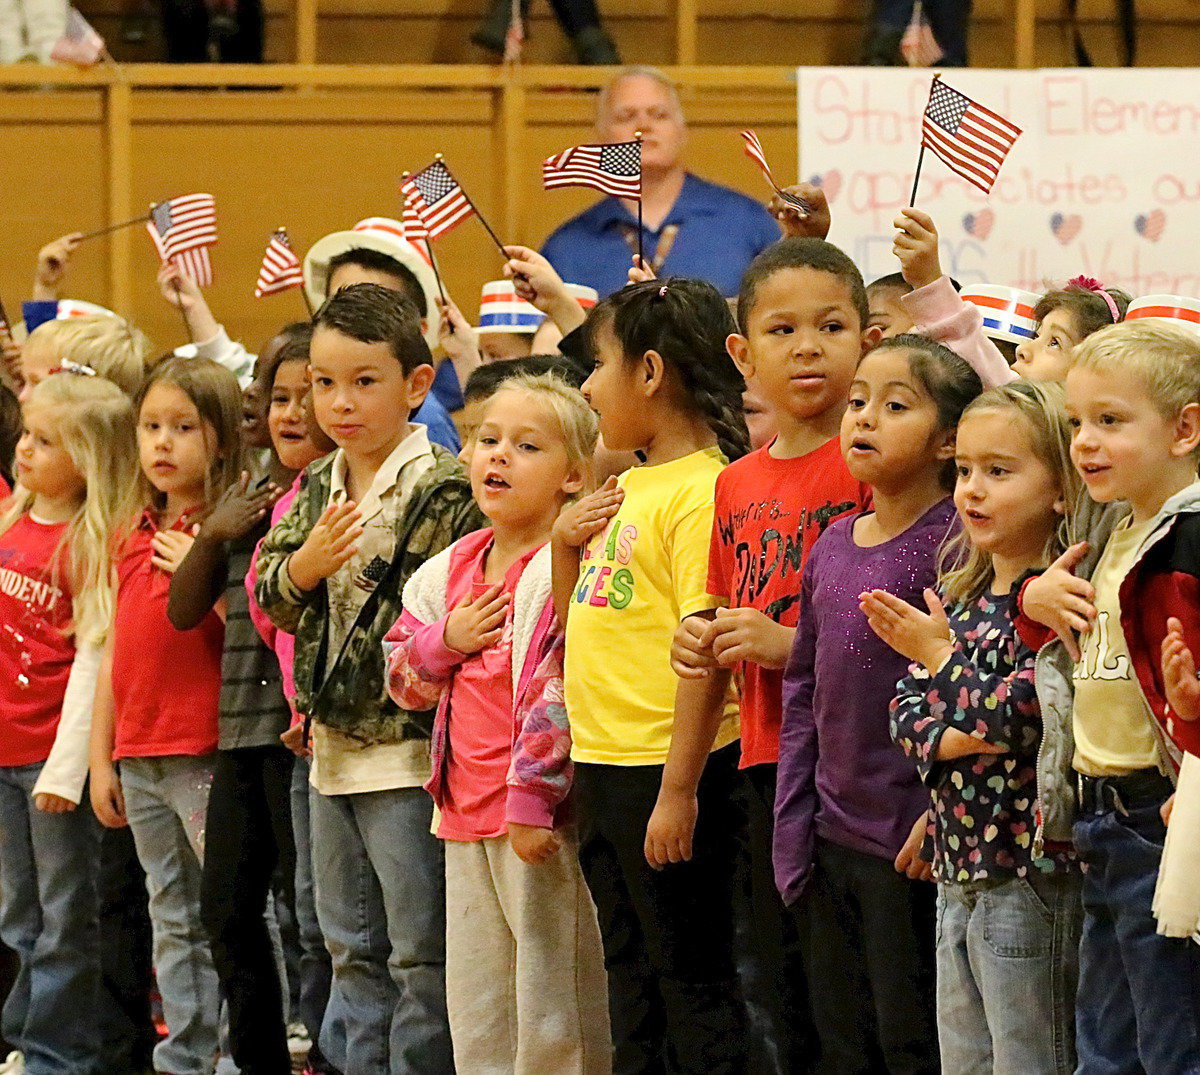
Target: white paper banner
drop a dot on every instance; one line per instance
(1105, 179)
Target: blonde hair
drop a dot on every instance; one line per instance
(218, 399)
(964, 571)
(96, 429)
(577, 421)
(1164, 357)
(108, 345)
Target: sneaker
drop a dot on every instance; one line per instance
(298, 1041)
(594, 47)
(14, 1064)
(491, 31)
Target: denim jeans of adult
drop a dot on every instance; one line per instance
(249, 831)
(49, 915)
(1007, 969)
(674, 997)
(381, 902)
(320, 1010)
(166, 801)
(868, 936)
(1138, 1007)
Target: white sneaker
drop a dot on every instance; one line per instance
(14, 1064)
(298, 1041)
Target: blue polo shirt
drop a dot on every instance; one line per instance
(720, 233)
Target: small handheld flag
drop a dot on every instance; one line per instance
(970, 139)
(281, 269)
(416, 229)
(614, 168)
(754, 151)
(182, 230)
(436, 196)
(80, 44)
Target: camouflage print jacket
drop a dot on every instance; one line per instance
(347, 690)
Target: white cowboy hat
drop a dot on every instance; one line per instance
(385, 236)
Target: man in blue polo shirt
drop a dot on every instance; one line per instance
(690, 227)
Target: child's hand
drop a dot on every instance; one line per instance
(924, 638)
(672, 825)
(640, 272)
(578, 522)
(956, 744)
(10, 353)
(108, 801)
(909, 862)
(691, 658)
(476, 624)
(455, 334)
(52, 804)
(533, 844)
(52, 262)
(169, 548)
(745, 634)
(329, 545)
(1166, 808)
(179, 289)
(1062, 601)
(238, 511)
(293, 739)
(814, 224)
(537, 282)
(1179, 673)
(916, 245)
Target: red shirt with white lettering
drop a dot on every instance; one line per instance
(36, 645)
(166, 683)
(768, 513)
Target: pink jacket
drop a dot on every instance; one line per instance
(421, 666)
(942, 315)
(280, 642)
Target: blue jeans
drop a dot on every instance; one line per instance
(166, 801)
(49, 865)
(1007, 966)
(321, 1009)
(1139, 993)
(380, 884)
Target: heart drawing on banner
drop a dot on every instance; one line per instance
(1150, 225)
(830, 183)
(979, 224)
(1065, 228)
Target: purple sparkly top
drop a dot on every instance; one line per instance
(840, 775)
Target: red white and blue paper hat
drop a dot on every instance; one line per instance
(68, 308)
(502, 310)
(1007, 311)
(1182, 311)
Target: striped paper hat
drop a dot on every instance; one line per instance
(1183, 311)
(501, 309)
(68, 308)
(1007, 311)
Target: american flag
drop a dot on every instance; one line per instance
(79, 44)
(754, 151)
(183, 229)
(414, 222)
(972, 140)
(614, 168)
(436, 198)
(280, 267)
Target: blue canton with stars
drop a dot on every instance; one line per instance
(947, 107)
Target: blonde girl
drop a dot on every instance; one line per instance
(1009, 910)
(157, 699)
(75, 465)
(525, 984)
(103, 345)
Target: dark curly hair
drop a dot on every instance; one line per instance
(686, 322)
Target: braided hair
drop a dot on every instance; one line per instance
(686, 322)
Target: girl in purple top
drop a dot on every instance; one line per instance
(850, 809)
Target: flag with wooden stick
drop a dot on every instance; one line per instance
(969, 138)
(441, 203)
(80, 44)
(281, 269)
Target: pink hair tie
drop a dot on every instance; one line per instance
(1088, 283)
(662, 292)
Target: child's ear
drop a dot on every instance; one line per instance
(652, 373)
(1059, 506)
(1187, 431)
(946, 443)
(420, 381)
(739, 350)
(871, 337)
(574, 482)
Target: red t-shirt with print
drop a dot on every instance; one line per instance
(768, 514)
(36, 645)
(166, 683)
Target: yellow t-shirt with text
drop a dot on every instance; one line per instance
(644, 573)
(1114, 733)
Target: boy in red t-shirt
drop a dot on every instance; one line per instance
(803, 317)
